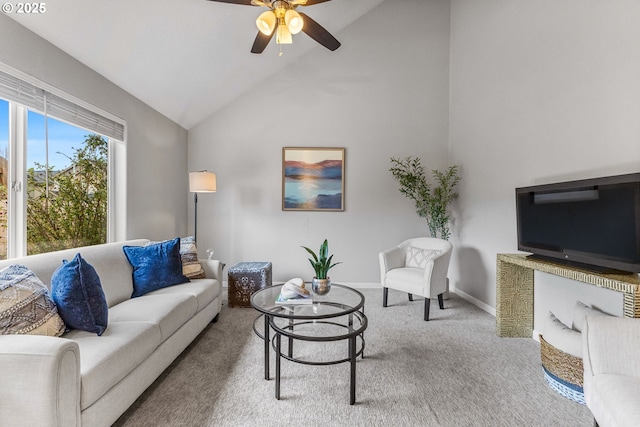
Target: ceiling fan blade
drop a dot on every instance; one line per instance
(312, 2)
(241, 2)
(261, 42)
(318, 33)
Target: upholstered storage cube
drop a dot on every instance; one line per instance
(245, 278)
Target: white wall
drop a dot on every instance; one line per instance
(156, 155)
(540, 91)
(383, 93)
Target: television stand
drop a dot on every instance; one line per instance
(515, 284)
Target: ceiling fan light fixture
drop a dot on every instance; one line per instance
(293, 21)
(283, 36)
(266, 22)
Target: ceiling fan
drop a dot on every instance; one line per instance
(282, 20)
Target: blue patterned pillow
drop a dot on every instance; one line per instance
(155, 266)
(77, 292)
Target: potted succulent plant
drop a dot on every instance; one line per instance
(321, 263)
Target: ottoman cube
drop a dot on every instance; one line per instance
(245, 278)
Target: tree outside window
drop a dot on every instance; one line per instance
(68, 208)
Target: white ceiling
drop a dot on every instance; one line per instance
(184, 58)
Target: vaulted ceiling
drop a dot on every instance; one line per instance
(185, 58)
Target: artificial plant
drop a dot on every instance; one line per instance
(432, 203)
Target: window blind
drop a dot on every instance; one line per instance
(17, 90)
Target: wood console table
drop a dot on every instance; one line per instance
(514, 290)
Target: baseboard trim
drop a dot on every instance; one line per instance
(362, 285)
(481, 305)
(369, 285)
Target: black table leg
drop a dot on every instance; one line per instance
(266, 347)
(290, 351)
(362, 336)
(352, 356)
(278, 348)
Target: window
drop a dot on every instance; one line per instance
(4, 169)
(67, 185)
(55, 170)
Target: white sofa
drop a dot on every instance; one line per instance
(612, 369)
(81, 379)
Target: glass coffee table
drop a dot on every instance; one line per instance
(329, 319)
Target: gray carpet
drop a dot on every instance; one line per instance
(450, 371)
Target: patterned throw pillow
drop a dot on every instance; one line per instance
(418, 258)
(189, 254)
(77, 291)
(25, 305)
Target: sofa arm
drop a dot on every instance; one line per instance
(40, 381)
(212, 268)
(611, 345)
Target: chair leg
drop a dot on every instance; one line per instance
(427, 304)
(410, 297)
(385, 295)
(440, 301)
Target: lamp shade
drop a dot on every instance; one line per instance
(202, 182)
(266, 22)
(294, 21)
(283, 35)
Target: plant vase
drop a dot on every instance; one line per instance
(321, 286)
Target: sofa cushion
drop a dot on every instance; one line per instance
(155, 266)
(76, 290)
(169, 312)
(107, 359)
(25, 304)
(406, 279)
(201, 289)
(108, 259)
(618, 395)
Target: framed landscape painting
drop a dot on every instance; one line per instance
(312, 179)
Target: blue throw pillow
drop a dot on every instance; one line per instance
(77, 292)
(155, 266)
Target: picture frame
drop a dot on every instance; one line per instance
(313, 179)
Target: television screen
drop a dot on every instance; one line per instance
(594, 222)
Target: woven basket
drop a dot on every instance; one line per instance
(564, 372)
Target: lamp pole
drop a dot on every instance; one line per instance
(195, 219)
(200, 182)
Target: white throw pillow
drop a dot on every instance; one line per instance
(562, 337)
(418, 258)
(581, 311)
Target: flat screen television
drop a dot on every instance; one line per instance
(591, 223)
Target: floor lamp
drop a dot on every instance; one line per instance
(200, 182)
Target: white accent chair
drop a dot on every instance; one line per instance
(610, 348)
(417, 266)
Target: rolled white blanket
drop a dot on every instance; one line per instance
(294, 288)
